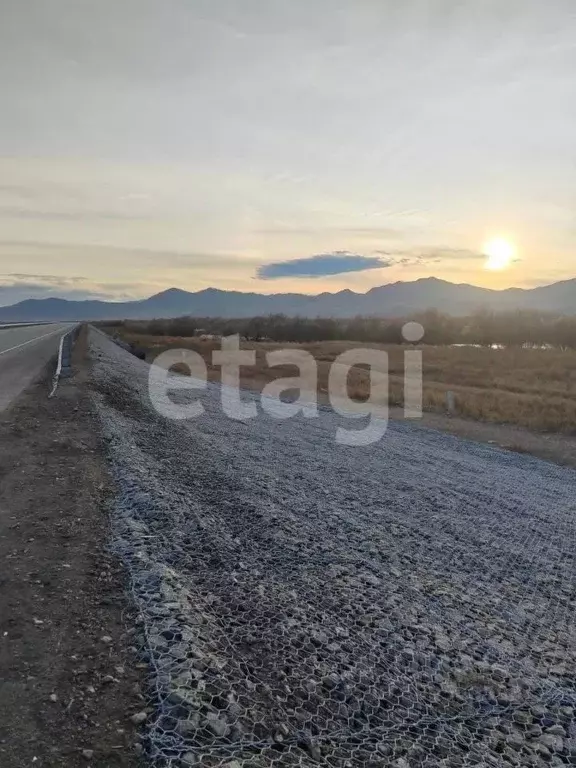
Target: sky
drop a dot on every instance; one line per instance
(278, 145)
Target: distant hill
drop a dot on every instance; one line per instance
(395, 299)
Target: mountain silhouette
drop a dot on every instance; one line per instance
(392, 300)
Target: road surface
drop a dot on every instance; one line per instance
(24, 352)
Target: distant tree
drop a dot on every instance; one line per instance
(514, 328)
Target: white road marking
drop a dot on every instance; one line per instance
(36, 338)
(59, 366)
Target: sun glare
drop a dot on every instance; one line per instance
(499, 254)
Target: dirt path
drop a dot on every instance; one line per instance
(68, 681)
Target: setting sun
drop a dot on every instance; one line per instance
(499, 254)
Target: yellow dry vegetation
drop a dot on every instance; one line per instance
(533, 388)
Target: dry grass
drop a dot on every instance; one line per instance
(533, 388)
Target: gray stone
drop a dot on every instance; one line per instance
(330, 681)
(443, 643)
(217, 725)
(552, 742)
(185, 697)
(538, 711)
(499, 673)
(558, 670)
(188, 728)
(515, 740)
(319, 637)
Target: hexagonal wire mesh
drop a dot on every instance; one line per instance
(299, 607)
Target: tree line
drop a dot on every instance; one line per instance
(485, 328)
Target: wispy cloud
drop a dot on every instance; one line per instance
(429, 255)
(15, 287)
(17, 212)
(185, 260)
(387, 233)
(47, 200)
(321, 265)
(43, 279)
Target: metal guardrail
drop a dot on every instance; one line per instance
(22, 325)
(64, 365)
(66, 347)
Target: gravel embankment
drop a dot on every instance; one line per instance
(410, 603)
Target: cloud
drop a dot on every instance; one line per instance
(16, 292)
(341, 262)
(387, 233)
(15, 287)
(321, 265)
(58, 201)
(184, 260)
(43, 279)
(429, 255)
(451, 254)
(26, 214)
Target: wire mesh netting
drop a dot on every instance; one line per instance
(304, 603)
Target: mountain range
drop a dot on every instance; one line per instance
(392, 300)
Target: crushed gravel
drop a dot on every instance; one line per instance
(410, 603)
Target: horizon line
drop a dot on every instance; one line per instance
(286, 293)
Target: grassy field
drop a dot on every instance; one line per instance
(533, 388)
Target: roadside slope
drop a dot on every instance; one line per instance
(409, 603)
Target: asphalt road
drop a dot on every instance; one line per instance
(23, 354)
